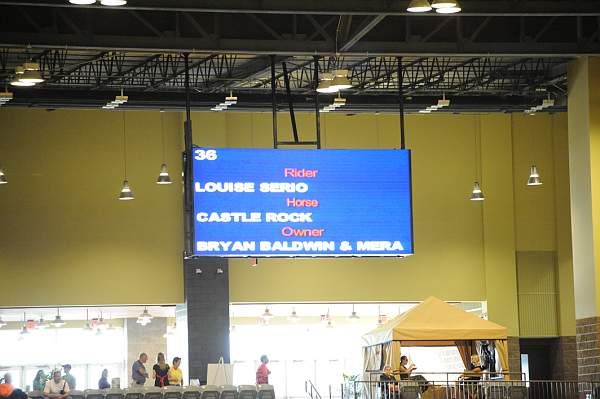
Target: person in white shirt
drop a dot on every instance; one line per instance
(56, 388)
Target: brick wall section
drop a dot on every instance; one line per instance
(588, 349)
(563, 358)
(514, 356)
(207, 300)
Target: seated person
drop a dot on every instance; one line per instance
(388, 384)
(406, 371)
(8, 391)
(474, 370)
(56, 388)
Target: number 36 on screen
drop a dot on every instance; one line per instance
(205, 155)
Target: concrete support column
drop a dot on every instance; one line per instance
(584, 168)
(148, 339)
(207, 303)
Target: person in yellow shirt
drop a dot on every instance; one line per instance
(175, 374)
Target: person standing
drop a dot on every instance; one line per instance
(175, 374)
(262, 373)
(39, 381)
(56, 388)
(138, 370)
(103, 382)
(69, 377)
(161, 371)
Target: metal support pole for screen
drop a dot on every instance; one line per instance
(286, 78)
(401, 102)
(188, 183)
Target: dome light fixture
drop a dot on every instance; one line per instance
(42, 324)
(82, 2)
(163, 176)
(267, 315)
(3, 177)
(419, 6)
(534, 177)
(353, 316)
(444, 4)
(477, 194)
(341, 81)
(294, 316)
(58, 322)
(126, 193)
(145, 317)
(325, 84)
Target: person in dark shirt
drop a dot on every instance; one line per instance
(103, 382)
(388, 384)
(161, 371)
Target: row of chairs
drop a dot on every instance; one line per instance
(264, 391)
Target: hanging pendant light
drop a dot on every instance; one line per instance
(534, 177)
(341, 81)
(3, 177)
(82, 2)
(419, 6)
(19, 71)
(58, 321)
(31, 77)
(163, 176)
(145, 317)
(294, 316)
(267, 315)
(126, 193)
(477, 194)
(353, 316)
(325, 84)
(42, 324)
(443, 3)
(2, 322)
(449, 10)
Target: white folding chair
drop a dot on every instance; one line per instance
(265, 391)
(228, 392)
(247, 392)
(209, 392)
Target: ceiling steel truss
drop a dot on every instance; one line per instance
(221, 73)
(308, 27)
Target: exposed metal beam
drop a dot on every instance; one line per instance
(368, 24)
(294, 47)
(347, 7)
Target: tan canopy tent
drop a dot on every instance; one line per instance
(432, 323)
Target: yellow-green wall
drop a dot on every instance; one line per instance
(66, 236)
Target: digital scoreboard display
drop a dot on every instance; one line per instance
(300, 203)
